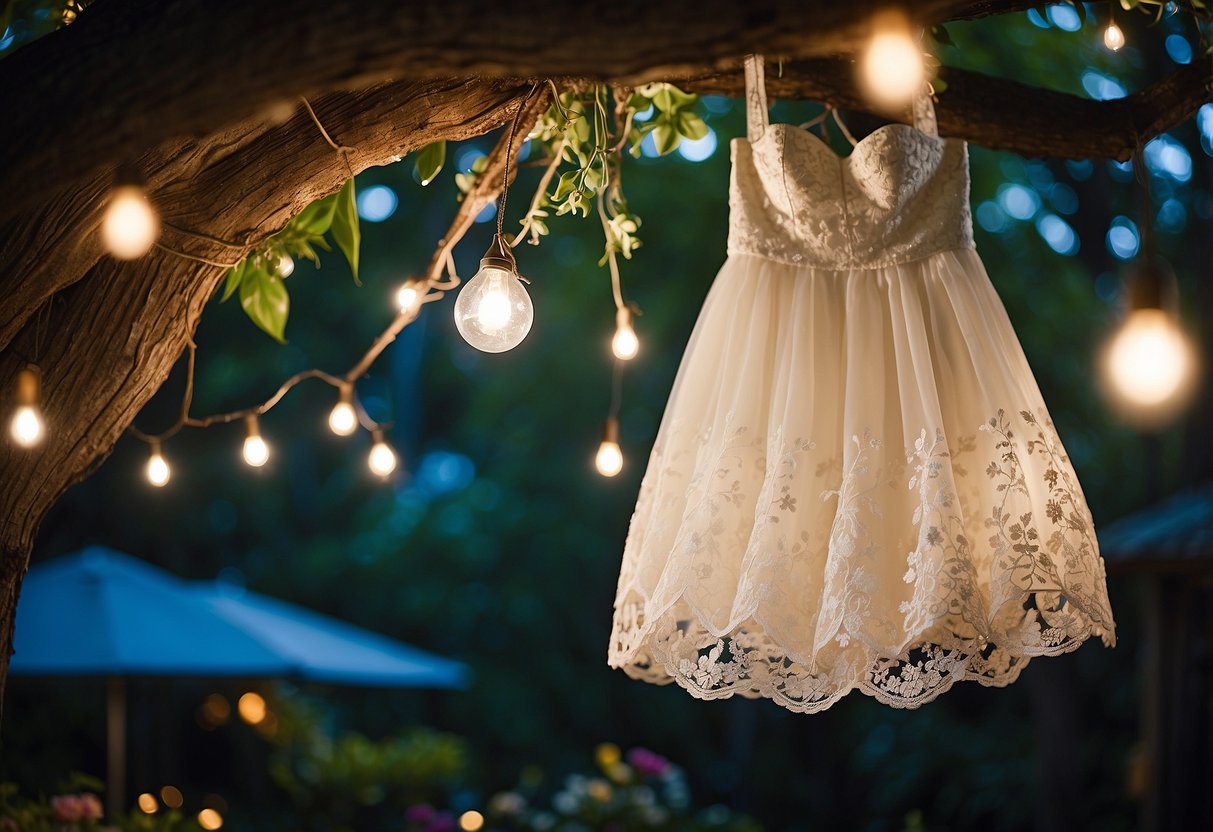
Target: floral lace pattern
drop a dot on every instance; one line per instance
(989, 583)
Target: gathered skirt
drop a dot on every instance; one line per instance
(856, 485)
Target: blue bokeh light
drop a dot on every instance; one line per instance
(1102, 87)
(1064, 17)
(1058, 234)
(1172, 216)
(1179, 49)
(1018, 201)
(1123, 240)
(377, 203)
(1167, 157)
(991, 217)
(696, 150)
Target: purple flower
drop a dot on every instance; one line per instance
(648, 764)
(421, 813)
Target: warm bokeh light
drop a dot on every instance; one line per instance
(892, 70)
(342, 419)
(471, 821)
(256, 451)
(1113, 37)
(172, 797)
(1149, 363)
(609, 459)
(147, 803)
(624, 344)
(408, 298)
(215, 710)
(382, 459)
(158, 471)
(26, 427)
(210, 819)
(252, 708)
(131, 225)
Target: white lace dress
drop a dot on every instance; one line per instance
(856, 484)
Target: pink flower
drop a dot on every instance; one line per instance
(92, 808)
(648, 764)
(67, 807)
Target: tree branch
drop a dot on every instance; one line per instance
(132, 75)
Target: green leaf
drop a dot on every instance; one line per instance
(665, 136)
(264, 298)
(346, 232)
(234, 276)
(429, 161)
(940, 34)
(317, 217)
(690, 125)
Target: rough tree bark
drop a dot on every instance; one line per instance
(202, 95)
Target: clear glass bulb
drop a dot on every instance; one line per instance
(1148, 360)
(158, 472)
(382, 459)
(26, 427)
(493, 311)
(625, 345)
(892, 70)
(286, 265)
(342, 419)
(1113, 37)
(256, 452)
(130, 225)
(609, 459)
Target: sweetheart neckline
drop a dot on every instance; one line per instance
(825, 146)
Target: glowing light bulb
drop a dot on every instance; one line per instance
(256, 452)
(1113, 37)
(26, 427)
(342, 419)
(158, 472)
(408, 297)
(609, 459)
(625, 344)
(382, 459)
(130, 225)
(892, 70)
(1148, 361)
(493, 311)
(286, 265)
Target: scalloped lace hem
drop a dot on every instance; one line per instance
(748, 661)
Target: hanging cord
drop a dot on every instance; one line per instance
(616, 389)
(509, 154)
(1142, 174)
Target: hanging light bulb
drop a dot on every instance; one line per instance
(130, 225)
(891, 69)
(382, 459)
(625, 344)
(26, 427)
(286, 265)
(158, 472)
(342, 419)
(1148, 363)
(1113, 37)
(408, 296)
(609, 459)
(493, 311)
(256, 452)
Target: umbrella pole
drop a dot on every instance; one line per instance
(115, 744)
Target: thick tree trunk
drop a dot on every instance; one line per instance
(106, 342)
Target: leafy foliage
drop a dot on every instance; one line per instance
(261, 277)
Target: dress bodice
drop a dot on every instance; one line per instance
(901, 195)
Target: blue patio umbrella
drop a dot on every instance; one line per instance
(102, 613)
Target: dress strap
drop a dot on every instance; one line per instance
(924, 112)
(757, 119)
